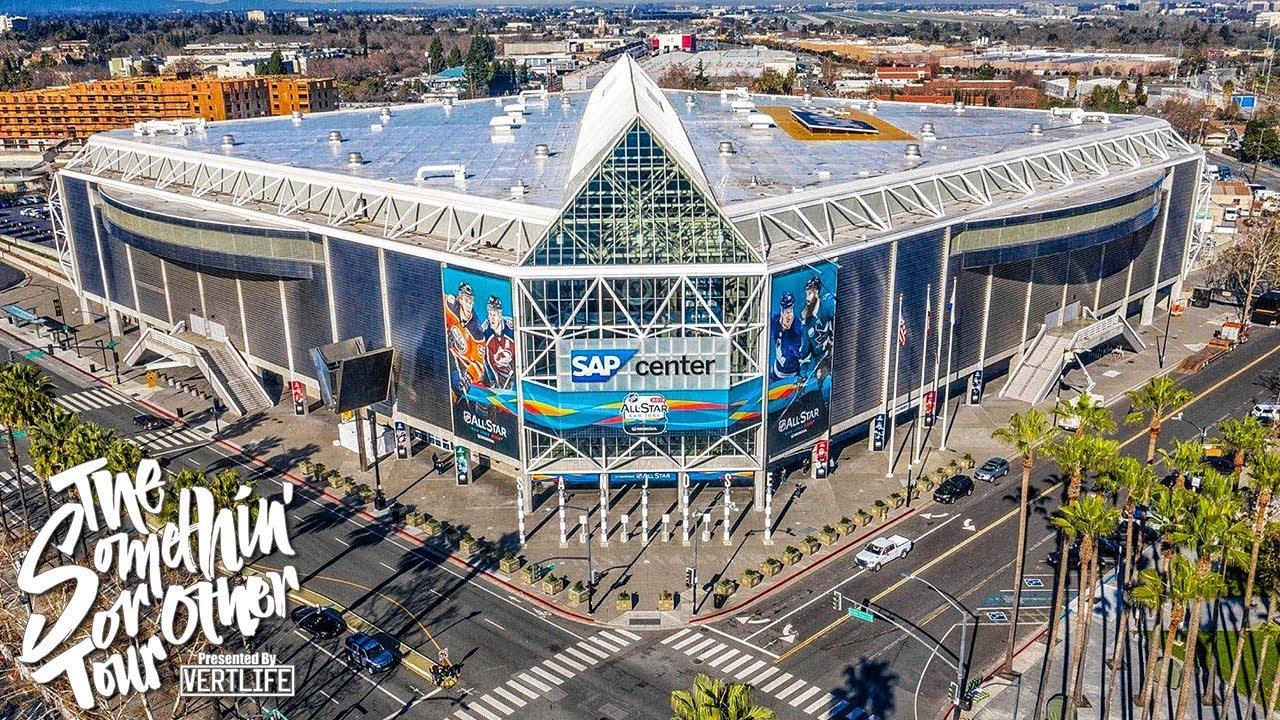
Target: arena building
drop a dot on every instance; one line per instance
(637, 283)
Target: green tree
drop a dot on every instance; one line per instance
(1244, 439)
(1260, 141)
(1088, 414)
(711, 699)
(223, 487)
(1086, 519)
(454, 59)
(123, 457)
(25, 396)
(49, 445)
(478, 64)
(1152, 592)
(274, 64)
(1151, 403)
(1027, 435)
(435, 55)
(1186, 459)
(986, 71)
(1264, 477)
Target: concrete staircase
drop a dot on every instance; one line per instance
(1042, 362)
(241, 385)
(221, 364)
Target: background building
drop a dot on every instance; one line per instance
(695, 286)
(79, 110)
(13, 23)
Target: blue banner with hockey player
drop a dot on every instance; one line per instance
(482, 359)
(802, 311)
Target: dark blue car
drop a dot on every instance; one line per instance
(365, 651)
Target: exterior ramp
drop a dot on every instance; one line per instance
(1053, 348)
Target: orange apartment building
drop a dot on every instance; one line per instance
(80, 110)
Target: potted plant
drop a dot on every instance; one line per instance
(468, 545)
(925, 483)
(791, 555)
(810, 545)
(333, 478)
(750, 578)
(317, 471)
(531, 573)
(510, 563)
(845, 526)
(896, 499)
(307, 468)
(363, 493)
(770, 567)
(432, 527)
(624, 601)
(666, 600)
(968, 461)
(828, 535)
(725, 587)
(953, 467)
(552, 585)
(577, 594)
(880, 509)
(416, 518)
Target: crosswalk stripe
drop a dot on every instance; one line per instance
(821, 702)
(699, 646)
(593, 649)
(750, 669)
(494, 702)
(795, 702)
(524, 690)
(475, 707)
(856, 713)
(619, 641)
(790, 689)
(776, 682)
(768, 671)
(740, 661)
(551, 664)
(730, 653)
(835, 710)
(604, 643)
(535, 682)
(712, 651)
(547, 675)
(509, 697)
(672, 638)
(584, 657)
(692, 638)
(628, 635)
(463, 716)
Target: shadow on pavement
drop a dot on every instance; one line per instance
(869, 685)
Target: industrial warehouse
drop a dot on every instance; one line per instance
(637, 283)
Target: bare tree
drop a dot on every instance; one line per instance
(1250, 264)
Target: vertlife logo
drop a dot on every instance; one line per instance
(598, 366)
(236, 675)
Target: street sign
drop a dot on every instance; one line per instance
(111, 345)
(462, 464)
(402, 440)
(862, 615)
(444, 654)
(152, 378)
(19, 434)
(975, 387)
(877, 432)
(32, 355)
(299, 393)
(930, 406)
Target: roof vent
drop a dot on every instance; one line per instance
(355, 159)
(335, 136)
(565, 101)
(297, 117)
(808, 99)
(873, 106)
(927, 133)
(1036, 130)
(518, 190)
(912, 152)
(824, 174)
(959, 105)
(386, 113)
(864, 173)
(228, 141)
(541, 151)
(689, 100)
(726, 148)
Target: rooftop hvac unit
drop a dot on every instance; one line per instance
(459, 173)
(743, 106)
(514, 109)
(504, 121)
(760, 121)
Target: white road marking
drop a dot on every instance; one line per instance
(494, 624)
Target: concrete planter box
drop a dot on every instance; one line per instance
(863, 518)
(552, 585)
(510, 564)
(750, 578)
(845, 526)
(432, 527)
(624, 602)
(577, 594)
(531, 573)
(726, 587)
(810, 545)
(468, 545)
(666, 601)
(829, 535)
(897, 499)
(770, 567)
(416, 519)
(791, 556)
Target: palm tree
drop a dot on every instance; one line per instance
(1088, 414)
(1244, 438)
(1213, 534)
(88, 442)
(123, 456)
(711, 699)
(1264, 476)
(1151, 403)
(1026, 434)
(223, 486)
(1187, 459)
(1152, 592)
(25, 396)
(1087, 518)
(49, 445)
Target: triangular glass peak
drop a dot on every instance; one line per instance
(640, 208)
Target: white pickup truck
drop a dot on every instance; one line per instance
(883, 550)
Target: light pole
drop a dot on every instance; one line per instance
(379, 499)
(1204, 431)
(962, 666)
(584, 521)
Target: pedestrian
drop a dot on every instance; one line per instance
(435, 462)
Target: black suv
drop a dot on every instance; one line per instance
(953, 488)
(323, 623)
(151, 422)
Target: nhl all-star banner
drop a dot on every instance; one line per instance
(481, 344)
(802, 309)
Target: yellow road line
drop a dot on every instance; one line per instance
(1001, 520)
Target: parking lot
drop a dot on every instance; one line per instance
(26, 219)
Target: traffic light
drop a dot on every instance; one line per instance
(688, 578)
(57, 306)
(13, 356)
(836, 599)
(48, 349)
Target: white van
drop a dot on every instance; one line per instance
(1266, 412)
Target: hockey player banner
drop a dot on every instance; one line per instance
(802, 311)
(482, 359)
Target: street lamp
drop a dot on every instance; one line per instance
(962, 666)
(1204, 431)
(585, 521)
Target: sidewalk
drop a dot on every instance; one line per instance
(487, 507)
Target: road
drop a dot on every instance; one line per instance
(805, 658)
(1268, 174)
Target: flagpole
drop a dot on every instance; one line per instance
(946, 383)
(924, 357)
(893, 397)
(937, 362)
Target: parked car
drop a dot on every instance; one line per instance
(366, 652)
(883, 550)
(994, 468)
(151, 422)
(323, 623)
(1150, 519)
(953, 488)
(1109, 552)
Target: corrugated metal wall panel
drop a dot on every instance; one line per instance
(1144, 266)
(149, 279)
(184, 291)
(1115, 269)
(222, 302)
(1083, 272)
(119, 279)
(862, 294)
(1181, 205)
(416, 302)
(1048, 275)
(919, 265)
(76, 197)
(266, 330)
(1008, 290)
(357, 292)
(971, 286)
(309, 326)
